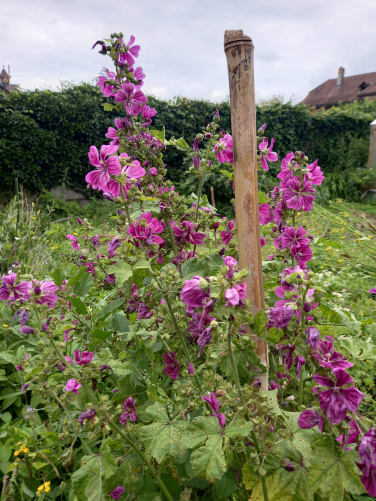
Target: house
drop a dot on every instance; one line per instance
(5, 84)
(342, 89)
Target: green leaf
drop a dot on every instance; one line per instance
(157, 412)
(5, 452)
(333, 472)
(58, 276)
(123, 272)
(164, 440)
(7, 357)
(206, 266)
(209, 460)
(140, 272)
(107, 106)
(78, 305)
(83, 283)
(109, 463)
(198, 431)
(119, 322)
(285, 486)
(225, 486)
(87, 480)
(180, 144)
(109, 308)
(159, 134)
(262, 198)
(238, 429)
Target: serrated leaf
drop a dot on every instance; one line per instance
(198, 431)
(209, 461)
(157, 412)
(159, 134)
(83, 284)
(163, 440)
(180, 144)
(238, 429)
(262, 198)
(123, 272)
(285, 486)
(333, 472)
(109, 463)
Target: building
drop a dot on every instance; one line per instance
(5, 84)
(342, 89)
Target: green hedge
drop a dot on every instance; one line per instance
(45, 135)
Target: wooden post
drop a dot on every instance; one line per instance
(239, 53)
(372, 146)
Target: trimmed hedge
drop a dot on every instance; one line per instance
(45, 135)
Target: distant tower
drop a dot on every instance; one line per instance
(5, 80)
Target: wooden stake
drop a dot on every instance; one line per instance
(212, 196)
(239, 53)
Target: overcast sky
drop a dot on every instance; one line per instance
(298, 43)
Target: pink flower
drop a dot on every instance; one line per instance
(223, 150)
(106, 164)
(73, 385)
(131, 51)
(74, 241)
(299, 196)
(132, 98)
(106, 88)
(302, 253)
(114, 133)
(226, 235)
(45, 293)
(265, 214)
(194, 292)
(310, 418)
(146, 230)
(372, 291)
(314, 173)
(10, 291)
(338, 398)
(186, 232)
(267, 153)
(147, 113)
(83, 358)
(117, 492)
(294, 236)
(327, 357)
(236, 295)
(214, 405)
(112, 246)
(130, 412)
(172, 367)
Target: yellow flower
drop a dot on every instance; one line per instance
(5, 325)
(46, 487)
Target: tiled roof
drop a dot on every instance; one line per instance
(353, 88)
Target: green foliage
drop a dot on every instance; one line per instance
(45, 137)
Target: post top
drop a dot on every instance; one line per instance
(373, 123)
(236, 37)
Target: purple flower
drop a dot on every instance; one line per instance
(286, 352)
(26, 329)
(214, 405)
(117, 492)
(10, 291)
(146, 230)
(74, 241)
(338, 398)
(106, 163)
(223, 149)
(172, 367)
(131, 97)
(191, 369)
(87, 415)
(226, 235)
(73, 385)
(300, 361)
(45, 293)
(313, 336)
(24, 317)
(204, 339)
(130, 412)
(110, 278)
(265, 214)
(194, 292)
(294, 236)
(186, 232)
(372, 291)
(95, 241)
(302, 253)
(299, 196)
(236, 294)
(267, 153)
(309, 419)
(327, 357)
(367, 454)
(107, 89)
(25, 387)
(314, 173)
(153, 171)
(280, 317)
(83, 358)
(112, 246)
(352, 435)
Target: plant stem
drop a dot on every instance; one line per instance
(263, 479)
(129, 441)
(301, 386)
(233, 365)
(177, 328)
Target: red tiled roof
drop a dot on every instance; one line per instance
(353, 88)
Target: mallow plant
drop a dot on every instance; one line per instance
(140, 379)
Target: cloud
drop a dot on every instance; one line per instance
(298, 44)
